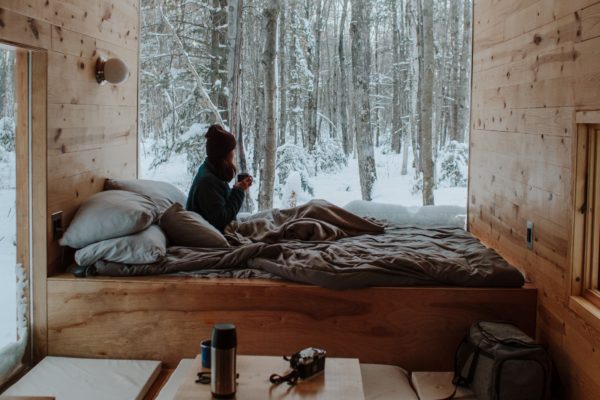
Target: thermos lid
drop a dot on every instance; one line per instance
(224, 337)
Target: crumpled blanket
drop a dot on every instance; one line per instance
(322, 244)
(313, 221)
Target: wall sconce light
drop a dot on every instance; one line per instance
(112, 71)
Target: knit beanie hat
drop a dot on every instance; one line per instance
(219, 144)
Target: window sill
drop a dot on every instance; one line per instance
(586, 310)
(14, 376)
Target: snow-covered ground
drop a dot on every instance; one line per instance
(8, 307)
(339, 188)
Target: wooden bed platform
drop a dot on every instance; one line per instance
(165, 318)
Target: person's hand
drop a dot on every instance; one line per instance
(245, 183)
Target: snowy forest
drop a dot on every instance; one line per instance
(310, 88)
(8, 309)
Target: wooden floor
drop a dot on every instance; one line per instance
(165, 318)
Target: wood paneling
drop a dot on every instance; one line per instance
(23, 31)
(165, 318)
(536, 68)
(88, 131)
(39, 201)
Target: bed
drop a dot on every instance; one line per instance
(409, 293)
(321, 244)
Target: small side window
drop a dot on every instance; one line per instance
(586, 241)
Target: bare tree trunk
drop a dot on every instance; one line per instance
(427, 60)
(343, 92)
(396, 123)
(205, 100)
(259, 138)
(235, 39)
(408, 77)
(454, 82)
(313, 97)
(359, 31)
(377, 123)
(464, 83)
(267, 181)
(218, 64)
(416, 137)
(441, 87)
(406, 140)
(282, 77)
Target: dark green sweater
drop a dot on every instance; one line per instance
(211, 197)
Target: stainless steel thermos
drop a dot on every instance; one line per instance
(223, 372)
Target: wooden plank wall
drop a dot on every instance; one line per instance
(91, 129)
(535, 62)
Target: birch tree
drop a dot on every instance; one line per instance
(218, 52)
(267, 176)
(426, 96)
(464, 78)
(343, 91)
(396, 111)
(282, 59)
(315, 66)
(359, 31)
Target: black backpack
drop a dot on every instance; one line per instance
(498, 361)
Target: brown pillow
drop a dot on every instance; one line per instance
(189, 229)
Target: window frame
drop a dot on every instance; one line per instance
(23, 98)
(31, 192)
(592, 230)
(585, 257)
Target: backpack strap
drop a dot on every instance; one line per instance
(459, 379)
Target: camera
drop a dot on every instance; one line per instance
(308, 362)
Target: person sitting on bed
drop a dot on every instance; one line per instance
(210, 194)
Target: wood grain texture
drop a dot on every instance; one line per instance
(23, 31)
(113, 21)
(89, 130)
(39, 197)
(165, 318)
(22, 174)
(536, 65)
(342, 380)
(161, 380)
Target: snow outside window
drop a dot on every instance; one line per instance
(13, 276)
(375, 110)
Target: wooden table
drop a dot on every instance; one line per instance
(342, 380)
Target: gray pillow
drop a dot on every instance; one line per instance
(163, 194)
(145, 247)
(189, 229)
(107, 215)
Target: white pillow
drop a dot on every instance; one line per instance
(189, 229)
(107, 215)
(163, 194)
(145, 247)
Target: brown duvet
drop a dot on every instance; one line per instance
(322, 244)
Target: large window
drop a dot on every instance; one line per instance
(8, 245)
(14, 207)
(333, 99)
